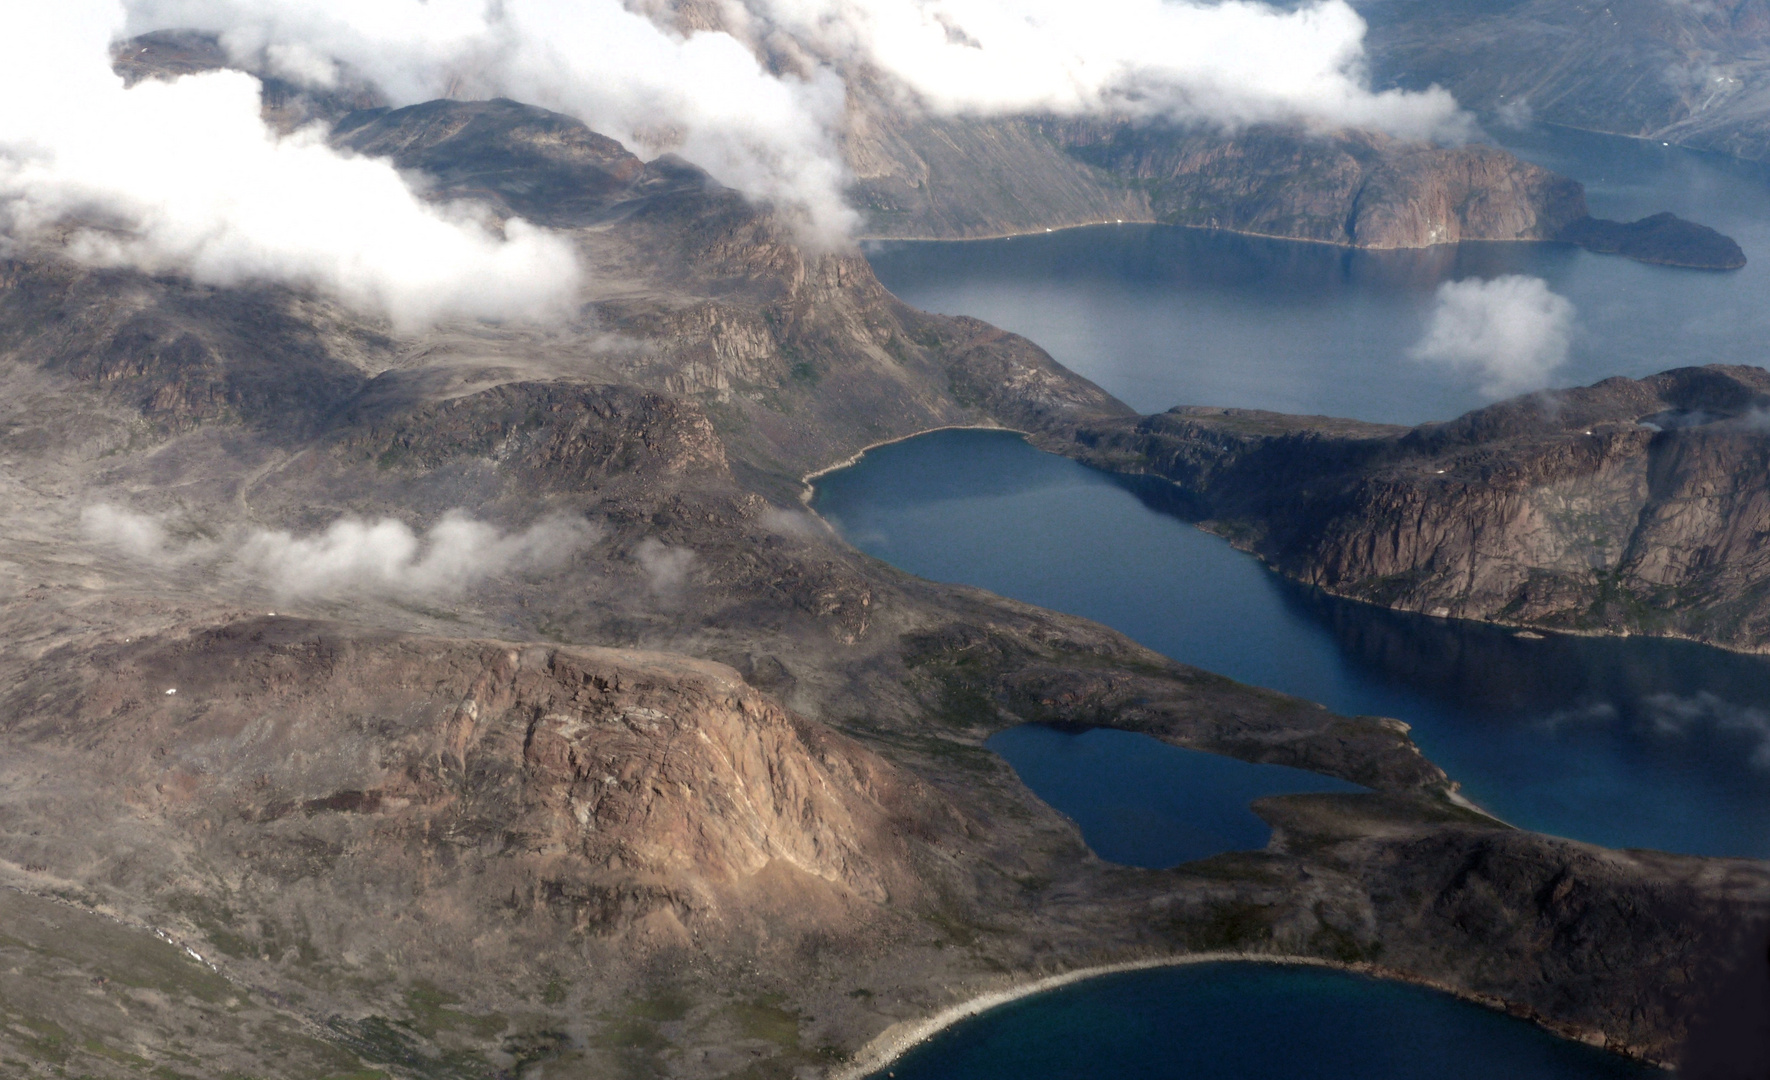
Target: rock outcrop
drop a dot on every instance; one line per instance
(1630, 506)
(933, 178)
(954, 179)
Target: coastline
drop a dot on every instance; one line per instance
(807, 490)
(1042, 230)
(905, 1035)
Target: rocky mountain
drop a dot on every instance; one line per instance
(933, 178)
(656, 777)
(1694, 74)
(1630, 506)
(966, 178)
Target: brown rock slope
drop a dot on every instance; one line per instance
(968, 178)
(1631, 506)
(704, 796)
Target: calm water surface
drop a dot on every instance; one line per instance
(1251, 1022)
(1621, 742)
(1141, 802)
(1163, 316)
(1624, 742)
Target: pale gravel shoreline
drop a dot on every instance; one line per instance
(899, 1038)
(807, 490)
(905, 1035)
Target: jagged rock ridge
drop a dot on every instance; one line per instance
(1630, 506)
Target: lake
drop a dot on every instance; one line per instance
(1626, 742)
(1623, 742)
(1245, 1021)
(1141, 802)
(1165, 316)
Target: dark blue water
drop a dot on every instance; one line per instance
(1240, 1021)
(1141, 802)
(1163, 316)
(1623, 742)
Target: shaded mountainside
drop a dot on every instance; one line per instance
(1694, 74)
(965, 178)
(1630, 506)
(1665, 239)
(968, 178)
(709, 796)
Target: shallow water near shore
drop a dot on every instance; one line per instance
(1246, 1021)
(1624, 742)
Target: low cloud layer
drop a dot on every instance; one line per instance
(1510, 335)
(354, 556)
(185, 176)
(1702, 715)
(774, 131)
(1233, 62)
(666, 567)
(702, 95)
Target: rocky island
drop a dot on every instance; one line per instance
(657, 777)
(1665, 239)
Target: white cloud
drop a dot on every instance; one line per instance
(1511, 333)
(388, 558)
(666, 567)
(135, 535)
(776, 133)
(703, 95)
(185, 176)
(1231, 62)
(354, 556)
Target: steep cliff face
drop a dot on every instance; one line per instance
(589, 791)
(927, 177)
(1692, 74)
(1634, 506)
(1356, 188)
(1537, 926)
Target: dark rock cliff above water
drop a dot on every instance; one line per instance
(1630, 506)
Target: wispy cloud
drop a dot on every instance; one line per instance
(354, 556)
(666, 567)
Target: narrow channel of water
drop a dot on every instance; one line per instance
(1623, 742)
(1141, 802)
(1244, 1021)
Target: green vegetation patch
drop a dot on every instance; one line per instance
(1226, 926)
(432, 1012)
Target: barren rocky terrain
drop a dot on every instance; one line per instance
(665, 780)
